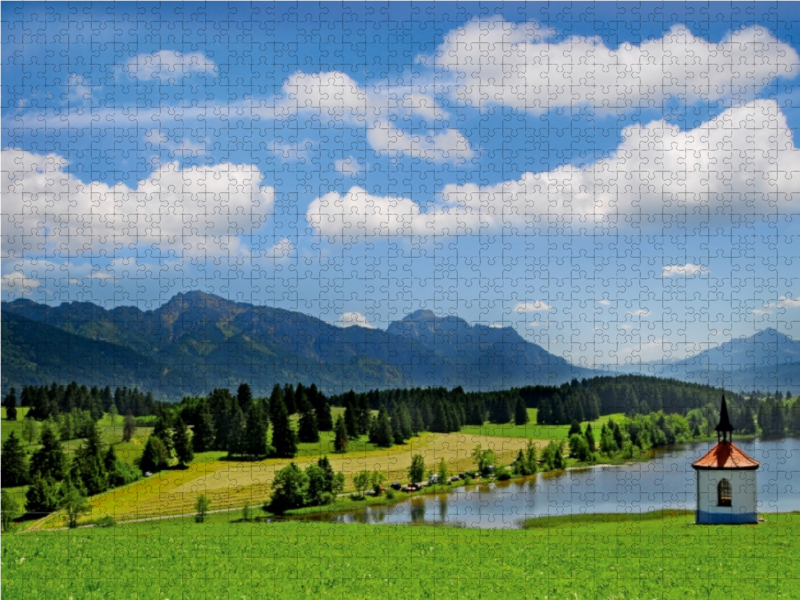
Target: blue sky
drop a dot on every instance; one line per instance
(616, 183)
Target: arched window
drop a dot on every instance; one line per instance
(724, 493)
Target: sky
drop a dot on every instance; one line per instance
(616, 183)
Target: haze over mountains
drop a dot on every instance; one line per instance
(198, 341)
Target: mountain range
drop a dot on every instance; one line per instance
(198, 341)
(764, 361)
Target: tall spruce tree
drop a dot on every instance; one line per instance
(308, 431)
(183, 444)
(128, 427)
(49, 460)
(351, 420)
(244, 397)
(521, 413)
(203, 438)
(384, 436)
(10, 404)
(15, 463)
(88, 467)
(284, 439)
(237, 441)
(256, 432)
(155, 456)
(340, 437)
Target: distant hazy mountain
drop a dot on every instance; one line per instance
(198, 341)
(764, 361)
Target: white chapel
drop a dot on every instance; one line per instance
(727, 490)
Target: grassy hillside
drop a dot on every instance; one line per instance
(665, 557)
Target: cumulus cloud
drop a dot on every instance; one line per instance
(442, 146)
(166, 65)
(528, 307)
(642, 312)
(742, 162)
(349, 166)
(336, 99)
(496, 62)
(350, 319)
(687, 270)
(191, 211)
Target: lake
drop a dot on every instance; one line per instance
(666, 481)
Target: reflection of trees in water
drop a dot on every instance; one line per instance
(378, 515)
(361, 516)
(443, 508)
(417, 512)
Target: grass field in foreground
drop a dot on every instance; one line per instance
(663, 558)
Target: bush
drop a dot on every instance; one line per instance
(502, 474)
(201, 505)
(390, 494)
(107, 521)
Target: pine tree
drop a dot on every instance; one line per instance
(88, 467)
(244, 397)
(521, 413)
(289, 399)
(351, 421)
(589, 435)
(440, 422)
(284, 439)
(43, 496)
(73, 503)
(10, 403)
(15, 467)
(256, 432)
(155, 456)
(203, 438)
(574, 428)
(183, 445)
(340, 438)
(324, 418)
(308, 431)
(128, 427)
(384, 436)
(163, 429)
(237, 440)
(49, 460)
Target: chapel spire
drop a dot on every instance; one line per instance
(724, 426)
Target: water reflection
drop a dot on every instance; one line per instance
(666, 481)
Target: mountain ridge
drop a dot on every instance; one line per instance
(196, 341)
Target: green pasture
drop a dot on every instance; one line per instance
(534, 431)
(666, 557)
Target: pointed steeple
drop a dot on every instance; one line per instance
(724, 426)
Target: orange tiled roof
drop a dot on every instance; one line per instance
(726, 455)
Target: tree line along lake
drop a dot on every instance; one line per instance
(667, 481)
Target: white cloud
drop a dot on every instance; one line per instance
(337, 99)
(356, 215)
(528, 307)
(788, 302)
(169, 65)
(349, 166)
(642, 312)
(78, 90)
(604, 302)
(191, 211)
(494, 62)
(760, 312)
(443, 146)
(17, 282)
(350, 319)
(185, 148)
(687, 270)
(742, 162)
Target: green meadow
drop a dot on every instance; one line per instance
(663, 556)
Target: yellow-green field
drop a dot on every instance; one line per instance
(233, 483)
